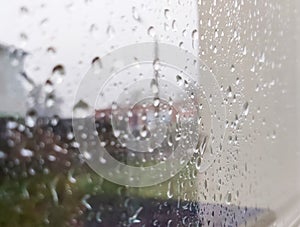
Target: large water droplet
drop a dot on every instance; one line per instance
(26, 152)
(50, 100)
(110, 31)
(156, 102)
(179, 80)
(97, 65)
(167, 13)
(228, 198)
(81, 109)
(170, 193)
(57, 74)
(156, 64)
(31, 118)
(195, 34)
(144, 132)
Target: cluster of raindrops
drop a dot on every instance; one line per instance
(45, 178)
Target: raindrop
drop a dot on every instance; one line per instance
(174, 27)
(81, 109)
(135, 14)
(114, 106)
(102, 160)
(156, 64)
(23, 37)
(178, 137)
(179, 80)
(133, 219)
(85, 203)
(117, 133)
(26, 152)
(195, 38)
(262, 58)
(94, 30)
(57, 74)
(98, 217)
(24, 10)
(229, 92)
(151, 31)
(245, 51)
(170, 102)
(2, 155)
(48, 87)
(51, 50)
(154, 86)
(170, 140)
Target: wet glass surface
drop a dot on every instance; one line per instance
(149, 113)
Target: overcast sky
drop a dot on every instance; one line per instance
(77, 31)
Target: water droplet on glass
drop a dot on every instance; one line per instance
(154, 86)
(170, 193)
(167, 13)
(50, 100)
(174, 26)
(135, 14)
(24, 10)
(195, 34)
(156, 64)
(170, 140)
(81, 109)
(48, 87)
(58, 73)
(262, 58)
(110, 31)
(114, 106)
(245, 51)
(179, 80)
(198, 162)
(23, 38)
(156, 102)
(97, 65)
(151, 31)
(117, 133)
(85, 202)
(26, 152)
(232, 68)
(228, 198)
(245, 108)
(51, 50)
(144, 132)
(31, 118)
(229, 92)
